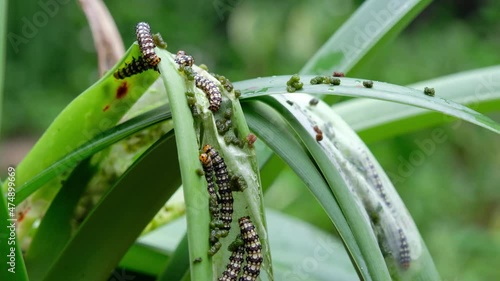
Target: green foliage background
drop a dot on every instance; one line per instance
(452, 194)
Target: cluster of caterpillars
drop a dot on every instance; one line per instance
(221, 202)
(149, 60)
(221, 211)
(248, 241)
(206, 85)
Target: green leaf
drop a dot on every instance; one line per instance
(476, 89)
(144, 259)
(178, 264)
(195, 198)
(367, 30)
(309, 254)
(97, 109)
(353, 173)
(285, 143)
(48, 244)
(120, 216)
(239, 158)
(352, 87)
(340, 186)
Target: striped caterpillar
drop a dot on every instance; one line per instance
(211, 90)
(207, 86)
(206, 161)
(224, 188)
(148, 60)
(146, 43)
(253, 249)
(183, 59)
(137, 66)
(233, 268)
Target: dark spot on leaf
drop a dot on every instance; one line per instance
(122, 90)
(105, 108)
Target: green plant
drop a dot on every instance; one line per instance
(339, 169)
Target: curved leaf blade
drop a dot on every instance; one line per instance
(367, 30)
(186, 139)
(103, 252)
(352, 87)
(284, 142)
(476, 89)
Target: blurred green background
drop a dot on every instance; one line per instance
(453, 195)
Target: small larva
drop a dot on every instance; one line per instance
(368, 84)
(404, 250)
(376, 180)
(211, 90)
(136, 66)
(313, 101)
(206, 161)
(429, 91)
(183, 59)
(159, 42)
(253, 249)
(146, 43)
(222, 180)
(233, 268)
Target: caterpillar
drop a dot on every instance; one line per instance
(159, 42)
(222, 180)
(253, 249)
(137, 66)
(233, 268)
(183, 59)
(211, 90)
(146, 43)
(376, 180)
(206, 161)
(404, 250)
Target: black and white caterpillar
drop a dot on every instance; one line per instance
(206, 162)
(211, 90)
(146, 43)
(183, 59)
(136, 66)
(233, 268)
(253, 250)
(223, 183)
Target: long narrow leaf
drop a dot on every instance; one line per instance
(178, 264)
(284, 143)
(395, 230)
(97, 109)
(120, 216)
(195, 198)
(352, 87)
(47, 244)
(477, 89)
(372, 25)
(340, 186)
